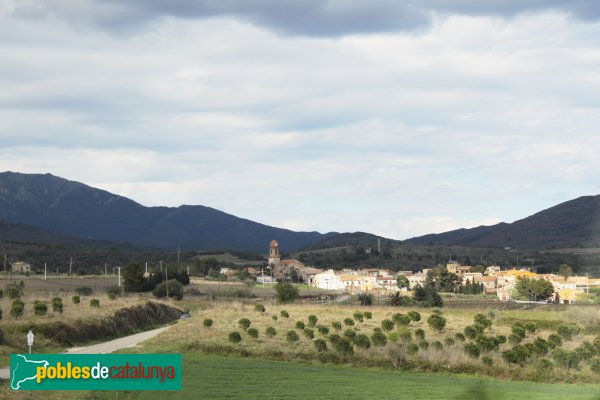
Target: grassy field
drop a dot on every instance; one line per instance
(218, 377)
(448, 357)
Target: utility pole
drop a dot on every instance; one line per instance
(119, 278)
(178, 253)
(167, 280)
(188, 270)
(146, 274)
(70, 272)
(104, 268)
(45, 274)
(4, 272)
(160, 265)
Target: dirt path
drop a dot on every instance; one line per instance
(106, 347)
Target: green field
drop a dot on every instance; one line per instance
(219, 377)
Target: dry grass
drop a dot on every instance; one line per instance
(225, 316)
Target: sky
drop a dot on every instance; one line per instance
(394, 118)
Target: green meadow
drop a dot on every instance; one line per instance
(209, 376)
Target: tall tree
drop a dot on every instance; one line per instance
(133, 277)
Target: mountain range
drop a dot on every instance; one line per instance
(74, 209)
(47, 208)
(575, 223)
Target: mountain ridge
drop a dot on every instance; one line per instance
(73, 208)
(574, 223)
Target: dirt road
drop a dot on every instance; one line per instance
(106, 347)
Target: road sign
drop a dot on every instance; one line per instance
(30, 340)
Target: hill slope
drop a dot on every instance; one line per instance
(72, 208)
(575, 223)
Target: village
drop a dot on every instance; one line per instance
(493, 280)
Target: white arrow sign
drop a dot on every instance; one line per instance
(30, 340)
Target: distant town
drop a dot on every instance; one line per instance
(493, 280)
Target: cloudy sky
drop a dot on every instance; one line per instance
(396, 118)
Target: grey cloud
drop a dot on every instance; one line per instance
(332, 18)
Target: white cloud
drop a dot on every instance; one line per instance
(476, 120)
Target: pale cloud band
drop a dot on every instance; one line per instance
(381, 117)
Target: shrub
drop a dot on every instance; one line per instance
(449, 341)
(17, 308)
(1, 293)
(284, 314)
(174, 287)
(244, 323)
(420, 334)
(259, 308)
(323, 330)
(84, 290)
(274, 317)
(350, 333)
(518, 333)
(405, 334)
(470, 332)
(472, 350)
(423, 344)
(501, 339)
(387, 325)
(320, 345)
(336, 325)
(460, 337)
(565, 359)
(530, 327)
(414, 315)
(368, 314)
(541, 346)
(309, 333)
(13, 292)
(393, 337)
(57, 305)
(487, 343)
(510, 357)
(252, 332)
(334, 338)
(362, 341)
(1, 336)
(595, 365)
(378, 339)
(437, 345)
(286, 292)
(412, 348)
(39, 308)
(358, 316)
(554, 341)
(514, 338)
(565, 332)
(343, 346)
(76, 299)
(207, 323)
(348, 321)
(0, 313)
(292, 337)
(300, 325)
(235, 337)
(436, 322)
(95, 303)
(113, 292)
(270, 332)
(487, 360)
(482, 321)
(401, 319)
(312, 320)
